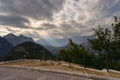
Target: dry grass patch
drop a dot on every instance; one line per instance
(56, 66)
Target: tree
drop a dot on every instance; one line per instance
(69, 53)
(115, 44)
(116, 29)
(76, 54)
(107, 44)
(102, 42)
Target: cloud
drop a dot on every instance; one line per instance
(46, 26)
(86, 14)
(14, 21)
(36, 9)
(57, 18)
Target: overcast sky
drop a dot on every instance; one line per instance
(55, 18)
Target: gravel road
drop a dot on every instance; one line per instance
(26, 74)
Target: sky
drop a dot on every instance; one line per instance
(56, 19)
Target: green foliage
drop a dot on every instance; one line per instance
(76, 54)
(116, 29)
(108, 45)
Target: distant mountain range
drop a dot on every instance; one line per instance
(11, 43)
(54, 50)
(15, 40)
(64, 41)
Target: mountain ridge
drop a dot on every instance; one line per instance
(15, 40)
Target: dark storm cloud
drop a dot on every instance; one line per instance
(14, 21)
(47, 2)
(37, 9)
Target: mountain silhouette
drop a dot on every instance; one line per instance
(15, 40)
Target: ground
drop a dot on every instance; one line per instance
(26, 74)
(37, 64)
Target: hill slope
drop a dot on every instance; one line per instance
(29, 50)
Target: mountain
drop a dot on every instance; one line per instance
(43, 42)
(15, 40)
(54, 50)
(82, 39)
(29, 50)
(5, 47)
(64, 41)
(54, 42)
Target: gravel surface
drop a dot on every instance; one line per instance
(26, 74)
